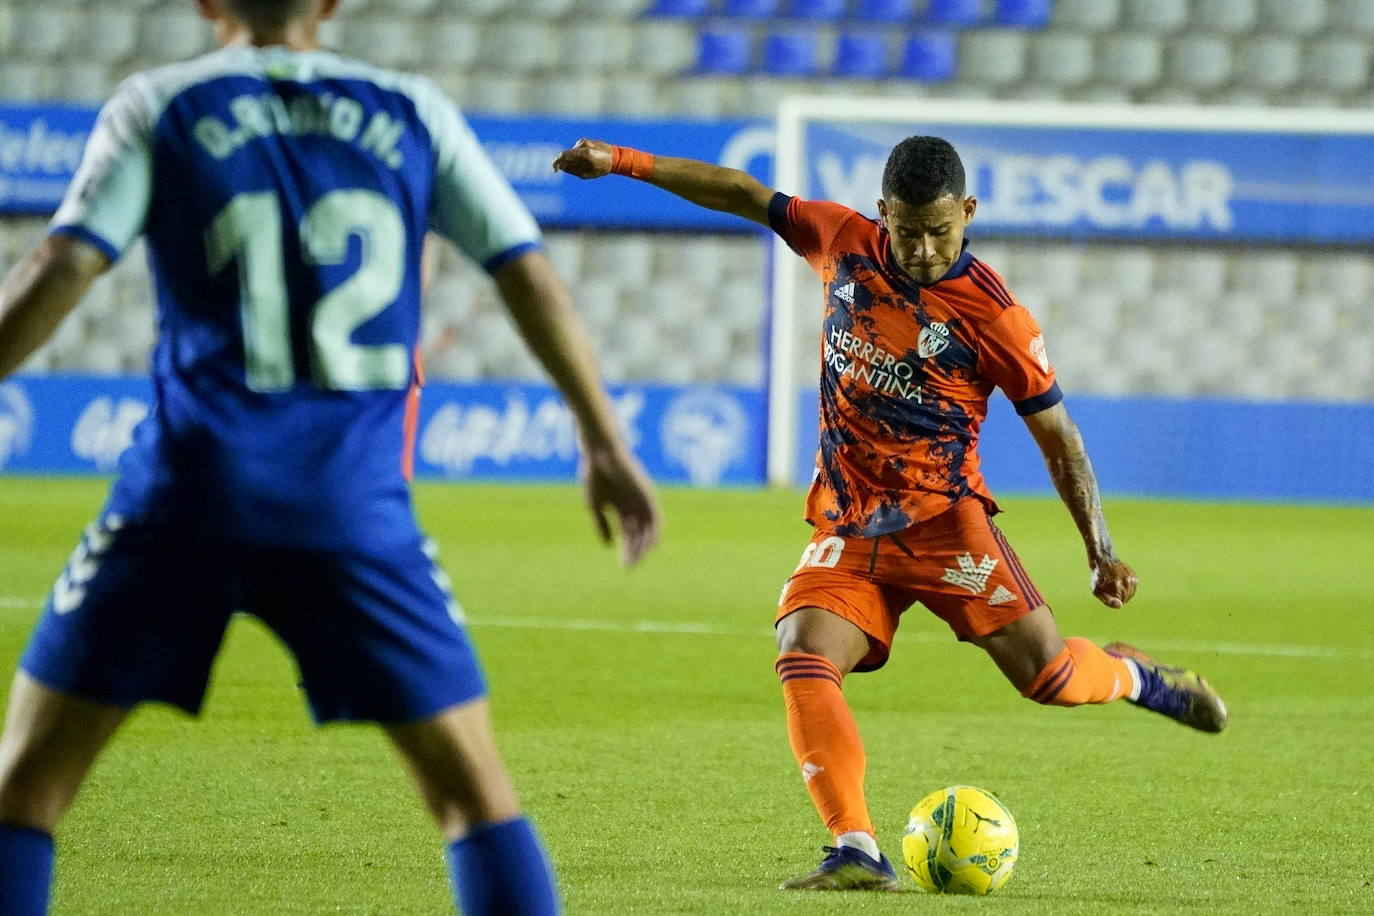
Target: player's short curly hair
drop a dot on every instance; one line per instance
(269, 13)
(922, 169)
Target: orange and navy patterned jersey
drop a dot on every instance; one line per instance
(906, 371)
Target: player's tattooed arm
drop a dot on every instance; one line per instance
(711, 186)
(39, 292)
(1113, 582)
(613, 480)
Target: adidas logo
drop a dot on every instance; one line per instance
(809, 770)
(1001, 595)
(846, 292)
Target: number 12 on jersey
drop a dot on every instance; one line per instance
(249, 230)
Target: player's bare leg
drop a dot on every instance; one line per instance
(816, 649)
(495, 859)
(1050, 669)
(49, 743)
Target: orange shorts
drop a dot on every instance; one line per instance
(958, 564)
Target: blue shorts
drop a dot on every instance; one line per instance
(139, 615)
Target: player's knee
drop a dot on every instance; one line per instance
(30, 796)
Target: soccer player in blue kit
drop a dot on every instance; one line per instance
(285, 192)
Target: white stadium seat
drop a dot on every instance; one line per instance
(1270, 64)
(567, 95)
(1061, 58)
(1231, 17)
(1298, 19)
(1159, 16)
(106, 34)
(453, 41)
(41, 32)
(1339, 64)
(495, 94)
(1199, 62)
(662, 47)
(1130, 61)
(26, 82)
(1352, 16)
(1087, 15)
(594, 46)
(994, 57)
(516, 46)
(632, 98)
(1343, 276)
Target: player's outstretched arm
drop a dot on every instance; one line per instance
(1113, 582)
(613, 479)
(712, 186)
(39, 292)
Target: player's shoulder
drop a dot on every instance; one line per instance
(979, 289)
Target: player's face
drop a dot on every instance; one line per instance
(927, 238)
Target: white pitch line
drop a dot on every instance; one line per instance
(697, 628)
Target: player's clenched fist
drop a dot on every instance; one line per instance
(586, 159)
(1114, 583)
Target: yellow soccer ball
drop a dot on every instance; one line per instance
(960, 840)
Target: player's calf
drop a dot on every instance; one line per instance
(1079, 675)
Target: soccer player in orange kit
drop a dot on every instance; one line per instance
(917, 332)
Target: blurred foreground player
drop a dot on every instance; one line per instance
(285, 193)
(917, 332)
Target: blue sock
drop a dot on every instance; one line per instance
(501, 868)
(25, 870)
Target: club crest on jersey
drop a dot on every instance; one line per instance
(933, 340)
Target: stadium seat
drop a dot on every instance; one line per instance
(628, 261)
(89, 83)
(1156, 16)
(954, 13)
(930, 57)
(860, 55)
(178, 35)
(1230, 17)
(663, 47)
(453, 41)
(516, 46)
(749, 9)
(1270, 64)
(1023, 14)
(567, 95)
(495, 94)
(544, 10)
(1269, 275)
(1346, 277)
(41, 32)
(1199, 62)
(819, 10)
(695, 98)
(21, 81)
(723, 48)
(897, 11)
(1352, 16)
(1340, 65)
(993, 57)
(694, 259)
(594, 46)
(632, 98)
(1130, 61)
(107, 35)
(1087, 15)
(1294, 19)
(1061, 59)
(686, 9)
(614, 9)
(790, 53)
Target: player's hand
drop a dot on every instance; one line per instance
(1113, 582)
(613, 481)
(586, 159)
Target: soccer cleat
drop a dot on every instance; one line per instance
(1178, 693)
(846, 869)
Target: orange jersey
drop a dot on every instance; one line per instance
(906, 371)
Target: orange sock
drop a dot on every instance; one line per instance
(1081, 674)
(825, 740)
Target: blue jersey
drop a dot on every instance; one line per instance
(284, 197)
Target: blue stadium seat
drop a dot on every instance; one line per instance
(817, 10)
(1024, 14)
(931, 57)
(860, 55)
(750, 9)
(790, 53)
(955, 12)
(885, 10)
(724, 49)
(679, 8)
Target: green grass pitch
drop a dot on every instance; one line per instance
(643, 721)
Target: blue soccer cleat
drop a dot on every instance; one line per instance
(1178, 693)
(846, 869)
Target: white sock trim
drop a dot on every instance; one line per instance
(864, 842)
(1135, 679)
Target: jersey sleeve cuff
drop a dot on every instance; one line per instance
(1039, 402)
(493, 264)
(777, 217)
(103, 245)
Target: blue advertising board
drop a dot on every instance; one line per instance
(1199, 449)
(1112, 182)
(702, 436)
(1076, 182)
